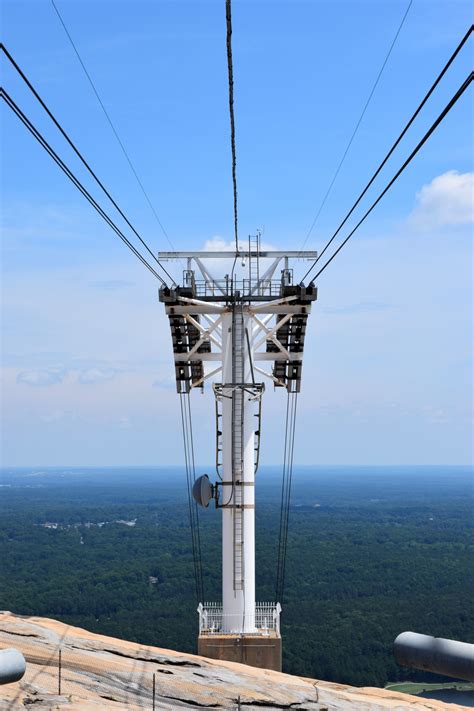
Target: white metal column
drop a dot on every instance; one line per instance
(238, 490)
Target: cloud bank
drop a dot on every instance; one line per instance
(40, 378)
(445, 202)
(96, 375)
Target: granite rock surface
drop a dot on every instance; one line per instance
(99, 672)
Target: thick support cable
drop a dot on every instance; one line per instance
(114, 130)
(282, 504)
(188, 445)
(230, 69)
(290, 430)
(420, 144)
(76, 182)
(394, 146)
(80, 156)
(369, 99)
(190, 502)
(289, 484)
(196, 509)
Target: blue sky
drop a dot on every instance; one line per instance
(86, 353)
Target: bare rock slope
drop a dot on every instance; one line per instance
(100, 672)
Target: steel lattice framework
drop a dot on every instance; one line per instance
(224, 330)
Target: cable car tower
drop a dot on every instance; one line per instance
(238, 325)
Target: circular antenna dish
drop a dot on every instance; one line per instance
(202, 491)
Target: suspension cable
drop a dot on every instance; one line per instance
(287, 477)
(196, 508)
(357, 126)
(394, 146)
(42, 141)
(114, 130)
(80, 156)
(230, 71)
(188, 445)
(290, 480)
(430, 131)
(282, 503)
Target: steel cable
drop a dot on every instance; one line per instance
(42, 141)
(188, 444)
(430, 131)
(196, 509)
(282, 503)
(114, 130)
(394, 146)
(80, 156)
(289, 485)
(323, 202)
(230, 71)
(287, 478)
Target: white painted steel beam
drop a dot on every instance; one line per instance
(265, 308)
(270, 376)
(270, 332)
(185, 357)
(211, 374)
(198, 302)
(238, 401)
(206, 332)
(213, 308)
(196, 308)
(278, 356)
(262, 254)
(212, 283)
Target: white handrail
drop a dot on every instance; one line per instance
(265, 620)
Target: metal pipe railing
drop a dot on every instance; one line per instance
(264, 620)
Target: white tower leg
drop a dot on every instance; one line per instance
(238, 492)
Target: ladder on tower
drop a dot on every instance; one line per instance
(238, 344)
(254, 263)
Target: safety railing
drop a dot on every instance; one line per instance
(264, 621)
(269, 288)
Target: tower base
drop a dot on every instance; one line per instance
(263, 651)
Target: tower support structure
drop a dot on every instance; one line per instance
(224, 330)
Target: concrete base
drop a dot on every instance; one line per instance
(255, 650)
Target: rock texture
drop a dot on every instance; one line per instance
(100, 672)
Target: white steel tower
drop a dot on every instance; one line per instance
(236, 324)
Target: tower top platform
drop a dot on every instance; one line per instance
(255, 275)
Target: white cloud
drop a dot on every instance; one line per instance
(96, 375)
(446, 201)
(218, 244)
(218, 267)
(53, 416)
(124, 423)
(41, 378)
